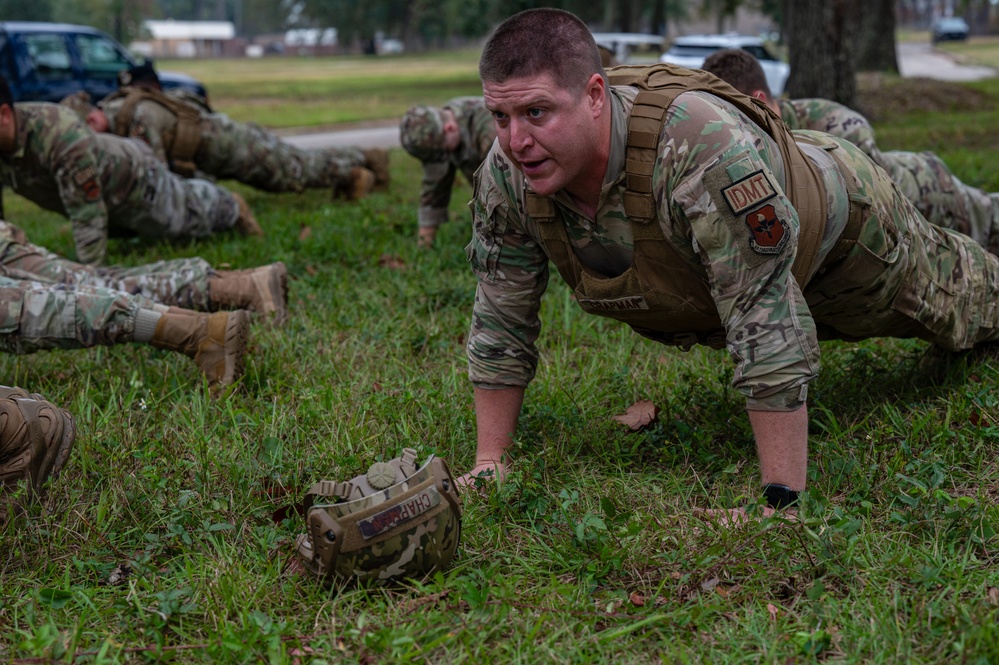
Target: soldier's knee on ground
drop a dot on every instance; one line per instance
(246, 223)
(376, 160)
(359, 184)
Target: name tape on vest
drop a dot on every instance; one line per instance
(749, 192)
(626, 303)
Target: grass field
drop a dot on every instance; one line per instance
(587, 554)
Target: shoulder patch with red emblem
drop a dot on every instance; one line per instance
(767, 232)
(86, 179)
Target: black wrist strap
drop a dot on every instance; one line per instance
(779, 496)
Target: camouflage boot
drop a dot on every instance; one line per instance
(216, 341)
(36, 438)
(376, 160)
(246, 223)
(358, 185)
(263, 290)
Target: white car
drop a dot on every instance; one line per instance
(690, 52)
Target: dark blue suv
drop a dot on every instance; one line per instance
(47, 61)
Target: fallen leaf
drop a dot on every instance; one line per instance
(391, 261)
(710, 584)
(993, 595)
(639, 415)
(312, 271)
(773, 611)
(637, 599)
(296, 652)
(119, 575)
(305, 233)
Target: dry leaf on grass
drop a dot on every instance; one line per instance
(637, 599)
(639, 415)
(391, 261)
(773, 611)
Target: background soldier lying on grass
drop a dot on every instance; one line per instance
(192, 140)
(105, 184)
(922, 176)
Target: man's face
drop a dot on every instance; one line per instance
(451, 131)
(552, 135)
(8, 130)
(97, 120)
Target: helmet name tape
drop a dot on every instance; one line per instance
(398, 514)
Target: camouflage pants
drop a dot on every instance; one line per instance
(942, 198)
(181, 282)
(250, 154)
(906, 277)
(36, 316)
(164, 205)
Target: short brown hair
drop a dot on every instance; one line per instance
(542, 41)
(740, 69)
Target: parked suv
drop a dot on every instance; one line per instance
(47, 61)
(952, 28)
(690, 52)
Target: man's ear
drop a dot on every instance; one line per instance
(596, 92)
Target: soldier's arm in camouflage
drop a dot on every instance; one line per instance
(512, 274)
(435, 193)
(831, 117)
(708, 146)
(76, 164)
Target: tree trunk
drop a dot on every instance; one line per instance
(819, 50)
(874, 34)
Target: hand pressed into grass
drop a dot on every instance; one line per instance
(483, 472)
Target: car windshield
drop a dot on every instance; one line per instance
(952, 24)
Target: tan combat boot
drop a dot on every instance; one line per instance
(216, 341)
(263, 290)
(359, 184)
(376, 160)
(36, 438)
(246, 223)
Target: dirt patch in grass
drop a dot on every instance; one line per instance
(882, 98)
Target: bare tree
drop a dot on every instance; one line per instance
(817, 36)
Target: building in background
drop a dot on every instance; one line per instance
(189, 39)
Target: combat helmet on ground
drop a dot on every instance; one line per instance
(422, 133)
(396, 521)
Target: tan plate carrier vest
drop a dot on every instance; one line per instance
(661, 296)
(182, 147)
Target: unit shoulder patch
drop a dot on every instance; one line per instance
(768, 232)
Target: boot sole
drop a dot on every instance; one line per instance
(237, 332)
(273, 289)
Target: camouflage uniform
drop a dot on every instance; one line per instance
(37, 316)
(245, 152)
(903, 277)
(477, 135)
(922, 176)
(179, 282)
(104, 183)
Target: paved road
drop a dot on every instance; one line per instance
(914, 59)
